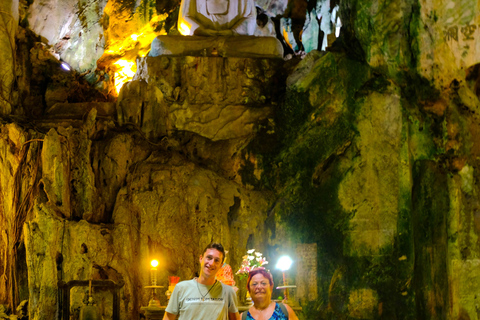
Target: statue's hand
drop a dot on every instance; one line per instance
(201, 31)
(227, 32)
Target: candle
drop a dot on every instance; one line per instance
(154, 264)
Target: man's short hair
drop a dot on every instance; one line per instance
(216, 246)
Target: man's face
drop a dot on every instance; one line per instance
(211, 262)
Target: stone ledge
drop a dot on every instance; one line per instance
(214, 80)
(79, 110)
(216, 98)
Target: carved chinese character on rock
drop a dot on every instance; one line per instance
(451, 33)
(468, 31)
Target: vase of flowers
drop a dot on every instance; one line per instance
(251, 261)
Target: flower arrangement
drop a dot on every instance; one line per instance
(252, 260)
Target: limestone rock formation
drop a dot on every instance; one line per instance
(106, 202)
(216, 98)
(9, 22)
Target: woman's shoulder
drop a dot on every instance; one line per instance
(280, 312)
(246, 315)
(290, 314)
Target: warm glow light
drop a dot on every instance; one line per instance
(154, 263)
(133, 45)
(125, 72)
(184, 28)
(148, 33)
(284, 263)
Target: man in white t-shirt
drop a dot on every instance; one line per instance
(204, 298)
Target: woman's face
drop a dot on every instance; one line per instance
(260, 287)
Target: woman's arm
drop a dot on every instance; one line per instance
(291, 313)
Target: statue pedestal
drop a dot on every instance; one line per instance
(153, 313)
(214, 97)
(234, 46)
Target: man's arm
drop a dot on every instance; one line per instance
(171, 316)
(232, 303)
(233, 316)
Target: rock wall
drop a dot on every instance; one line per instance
(98, 201)
(9, 15)
(168, 208)
(439, 39)
(383, 165)
(183, 94)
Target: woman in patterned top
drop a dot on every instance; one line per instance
(260, 286)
